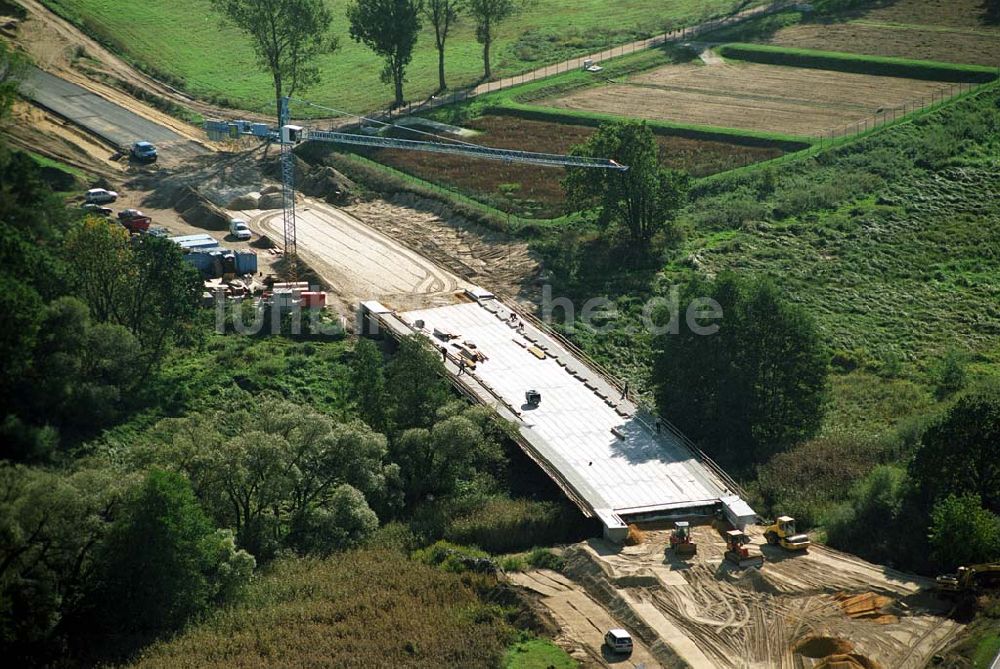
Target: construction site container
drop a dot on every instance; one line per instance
(194, 241)
(295, 286)
(314, 299)
(201, 261)
(246, 262)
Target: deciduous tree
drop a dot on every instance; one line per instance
(754, 387)
(287, 37)
(644, 198)
(415, 382)
(368, 381)
(960, 451)
(390, 29)
(145, 286)
(962, 532)
(271, 471)
(433, 461)
(162, 561)
(488, 15)
(83, 370)
(51, 525)
(442, 14)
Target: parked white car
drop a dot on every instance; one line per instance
(238, 228)
(619, 641)
(100, 196)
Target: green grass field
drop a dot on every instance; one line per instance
(538, 654)
(182, 41)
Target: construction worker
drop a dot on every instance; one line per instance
(444, 354)
(461, 366)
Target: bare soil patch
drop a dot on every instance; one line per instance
(948, 46)
(481, 256)
(753, 96)
(528, 190)
(951, 13)
(703, 612)
(34, 129)
(950, 31)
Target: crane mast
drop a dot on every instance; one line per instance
(288, 136)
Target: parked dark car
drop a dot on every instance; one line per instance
(144, 152)
(96, 209)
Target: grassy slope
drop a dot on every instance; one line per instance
(367, 608)
(896, 259)
(183, 38)
(904, 271)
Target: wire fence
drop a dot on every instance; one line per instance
(880, 118)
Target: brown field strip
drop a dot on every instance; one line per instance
(752, 96)
(536, 191)
(896, 42)
(949, 31)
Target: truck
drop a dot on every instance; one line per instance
(134, 220)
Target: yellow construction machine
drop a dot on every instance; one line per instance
(971, 579)
(784, 534)
(738, 550)
(680, 540)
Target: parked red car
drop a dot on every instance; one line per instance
(134, 220)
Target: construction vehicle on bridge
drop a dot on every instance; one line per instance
(680, 539)
(971, 579)
(738, 550)
(784, 534)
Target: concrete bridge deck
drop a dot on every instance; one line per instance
(614, 460)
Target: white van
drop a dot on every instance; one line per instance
(619, 641)
(238, 228)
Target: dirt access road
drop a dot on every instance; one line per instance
(705, 613)
(115, 124)
(360, 263)
(581, 619)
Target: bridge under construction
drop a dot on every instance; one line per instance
(617, 462)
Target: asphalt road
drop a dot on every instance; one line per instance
(109, 121)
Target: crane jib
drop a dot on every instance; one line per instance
(489, 153)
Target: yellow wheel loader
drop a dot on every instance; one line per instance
(784, 534)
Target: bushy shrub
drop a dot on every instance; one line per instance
(513, 563)
(806, 480)
(504, 525)
(730, 211)
(862, 525)
(803, 195)
(543, 558)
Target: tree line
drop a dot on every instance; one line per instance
(288, 35)
(107, 544)
(757, 388)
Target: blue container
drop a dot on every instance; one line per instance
(202, 261)
(246, 262)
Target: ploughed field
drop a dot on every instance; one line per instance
(950, 31)
(752, 96)
(534, 191)
(940, 44)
